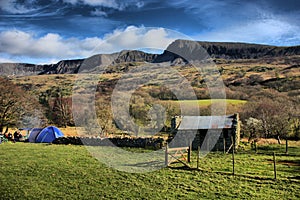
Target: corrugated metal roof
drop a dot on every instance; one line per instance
(205, 122)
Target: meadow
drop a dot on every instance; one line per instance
(43, 171)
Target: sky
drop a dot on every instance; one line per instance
(46, 31)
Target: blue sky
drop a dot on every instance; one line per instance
(46, 31)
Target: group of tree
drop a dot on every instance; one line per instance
(58, 106)
(17, 107)
(271, 115)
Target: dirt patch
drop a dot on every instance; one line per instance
(286, 162)
(289, 162)
(264, 141)
(69, 131)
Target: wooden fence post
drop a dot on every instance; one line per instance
(198, 155)
(224, 143)
(274, 161)
(189, 153)
(232, 157)
(166, 156)
(286, 146)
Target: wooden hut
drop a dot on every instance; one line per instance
(209, 132)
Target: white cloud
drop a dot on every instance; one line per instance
(73, 2)
(98, 12)
(19, 43)
(27, 6)
(52, 46)
(7, 60)
(15, 8)
(138, 38)
(106, 3)
(267, 31)
(236, 21)
(116, 4)
(140, 4)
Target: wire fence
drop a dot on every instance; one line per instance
(268, 162)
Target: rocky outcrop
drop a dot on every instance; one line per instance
(74, 66)
(64, 67)
(135, 56)
(11, 69)
(230, 50)
(24, 69)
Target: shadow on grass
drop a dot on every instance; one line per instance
(146, 164)
(293, 151)
(276, 148)
(230, 174)
(183, 167)
(294, 177)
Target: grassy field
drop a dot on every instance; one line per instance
(206, 106)
(40, 171)
(207, 102)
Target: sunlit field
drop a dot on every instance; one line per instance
(43, 171)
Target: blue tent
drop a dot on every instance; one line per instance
(33, 134)
(45, 135)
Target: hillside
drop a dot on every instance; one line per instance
(244, 68)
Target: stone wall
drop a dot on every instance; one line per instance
(151, 143)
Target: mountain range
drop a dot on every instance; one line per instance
(176, 53)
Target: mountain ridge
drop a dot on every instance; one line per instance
(178, 52)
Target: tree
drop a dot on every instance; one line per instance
(104, 116)
(138, 109)
(295, 118)
(61, 109)
(17, 107)
(253, 128)
(57, 104)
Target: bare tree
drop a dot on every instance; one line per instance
(16, 105)
(274, 115)
(104, 116)
(253, 128)
(62, 114)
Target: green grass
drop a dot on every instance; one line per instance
(39, 171)
(207, 102)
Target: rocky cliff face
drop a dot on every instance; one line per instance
(188, 50)
(11, 69)
(75, 66)
(24, 69)
(134, 56)
(247, 51)
(63, 67)
(179, 52)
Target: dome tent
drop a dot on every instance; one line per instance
(45, 135)
(33, 134)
